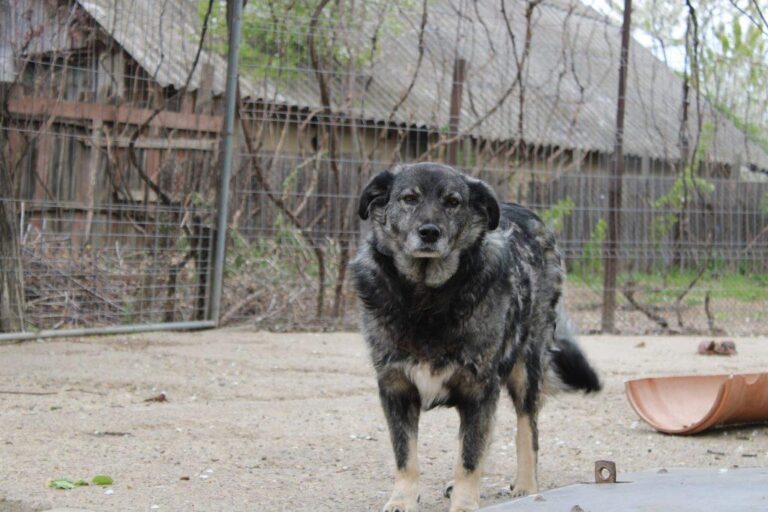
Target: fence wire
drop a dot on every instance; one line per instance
(110, 131)
(112, 123)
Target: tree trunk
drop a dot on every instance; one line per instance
(11, 274)
(611, 245)
(341, 275)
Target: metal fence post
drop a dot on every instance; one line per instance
(228, 148)
(611, 244)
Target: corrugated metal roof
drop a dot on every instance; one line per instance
(162, 36)
(571, 82)
(7, 67)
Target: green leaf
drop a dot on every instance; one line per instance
(753, 36)
(724, 42)
(80, 483)
(736, 32)
(102, 480)
(61, 483)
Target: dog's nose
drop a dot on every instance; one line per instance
(429, 233)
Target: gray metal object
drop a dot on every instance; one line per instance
(226, 172)
(115, 329)
(676, 489)
(605, 472)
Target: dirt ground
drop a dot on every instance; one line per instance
(261, 421)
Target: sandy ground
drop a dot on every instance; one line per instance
(259, 421)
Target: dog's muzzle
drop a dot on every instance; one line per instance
(429, 233)
(426, 242)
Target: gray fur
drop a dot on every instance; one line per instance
(450, 319)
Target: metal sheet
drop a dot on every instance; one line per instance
(744, 489)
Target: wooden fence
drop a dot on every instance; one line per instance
(724, 220)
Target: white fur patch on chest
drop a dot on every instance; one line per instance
(431, 384)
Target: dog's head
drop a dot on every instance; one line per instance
(428, 210)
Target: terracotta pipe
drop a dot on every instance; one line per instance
(693, 403)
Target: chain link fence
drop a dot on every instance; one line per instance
(112, 122)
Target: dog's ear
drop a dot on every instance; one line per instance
(376, 193)
(483, 199)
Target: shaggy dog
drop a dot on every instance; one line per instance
(460, 296)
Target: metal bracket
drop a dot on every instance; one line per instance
(605, 472)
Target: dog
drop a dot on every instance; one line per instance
(460, 295)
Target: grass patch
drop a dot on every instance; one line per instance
(655, 289)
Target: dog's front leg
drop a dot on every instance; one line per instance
(476, 416)
(401, 408)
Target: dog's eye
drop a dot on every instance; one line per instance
(452, 202)
(409, 198)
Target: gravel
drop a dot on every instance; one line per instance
(256, 420)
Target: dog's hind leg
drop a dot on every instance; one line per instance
(476, 428)
(401, 408)
(525, 390)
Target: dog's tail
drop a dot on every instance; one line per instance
(569, 367)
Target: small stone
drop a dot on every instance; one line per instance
(539, 497)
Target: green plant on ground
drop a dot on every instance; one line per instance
(684, 189)
(657, 288)
(591, 262)
(555, 215)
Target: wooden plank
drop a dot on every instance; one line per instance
(82, 172)
(161, 143)
(94, 164)
(15, 148)
(153, 160)
(188, 103)
(76, 110)
(204, 94)
(43, 150)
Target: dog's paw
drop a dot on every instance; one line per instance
(464, 499)
(523, 488)
(402, 502)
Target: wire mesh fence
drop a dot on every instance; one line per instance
(521, 94)
(110, 157)
(113, 121)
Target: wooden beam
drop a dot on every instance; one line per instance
(79, 111)
(204, 94)
(160, 143)
(94, 164)
(44, 147)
